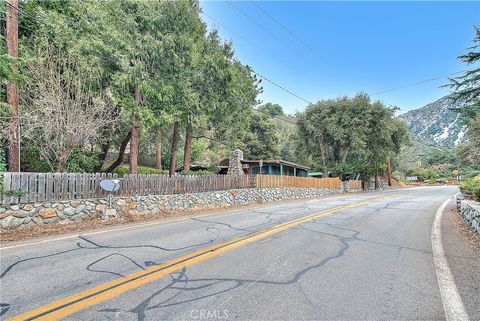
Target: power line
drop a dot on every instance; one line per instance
(272, 35)
(18, 10)
(265, 12)
(420, 82)
(241, 36)
(251, 43)
(276, 117)
(281, 87)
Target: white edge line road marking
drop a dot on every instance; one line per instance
(149, 224)
(452, 302)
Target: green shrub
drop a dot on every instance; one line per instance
(32, 162)
(82, 161)
(198, 173)
(423, 174)
(469, 173)
(3, 160)
(122, 170)
(471, 187)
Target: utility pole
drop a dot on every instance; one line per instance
(12, 91)
(389, 172)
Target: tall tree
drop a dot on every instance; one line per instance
(153, 62)
(271, 109)
(467, 87)
(467, 90)
(262, 140)
(224, 93)
(350, 136)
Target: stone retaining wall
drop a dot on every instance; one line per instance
(64, 212)
(346, 189)
(470, 210)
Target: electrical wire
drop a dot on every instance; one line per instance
(281, 87)
(273, 35)
(265, 12)
(246, 40)
(420, 82)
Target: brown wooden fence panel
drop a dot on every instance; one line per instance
(276, 181)
(46, 187)
(354, 184)
(6, 186)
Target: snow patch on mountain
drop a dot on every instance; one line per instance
(436, 122)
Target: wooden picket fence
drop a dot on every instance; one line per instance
(354, 184)
(272, 181)
(46, 187)
(21, 188)
(164, 184)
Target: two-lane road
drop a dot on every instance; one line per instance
(349, 257)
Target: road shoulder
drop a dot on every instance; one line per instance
(462, 249)
(46, 233)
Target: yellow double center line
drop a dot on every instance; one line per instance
(64, 307)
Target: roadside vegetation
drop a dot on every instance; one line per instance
(471, 186)
(467, 90)
(350, 137)
(462, 161)
(145, 87)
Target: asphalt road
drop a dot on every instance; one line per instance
(354, 257)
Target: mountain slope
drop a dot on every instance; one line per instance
(436, 123)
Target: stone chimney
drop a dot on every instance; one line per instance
(234, 163)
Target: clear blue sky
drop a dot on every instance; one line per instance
(354, 46)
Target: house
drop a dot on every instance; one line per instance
(269, 167)
(316, 174)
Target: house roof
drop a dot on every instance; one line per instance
(225, 162)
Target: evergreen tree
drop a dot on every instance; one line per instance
(467, 87)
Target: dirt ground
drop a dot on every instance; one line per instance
(472, 238)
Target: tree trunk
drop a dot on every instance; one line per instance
(389, 172)
(376, 181)
(60, 165)
(134, 148)
(173, 155)
(63, 159)
(158, 150)
(345, 155)
(103, 155)
(322, 154)
(121, 153)
(134, 139)
(187, 156)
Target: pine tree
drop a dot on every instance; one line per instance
(467, 87)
